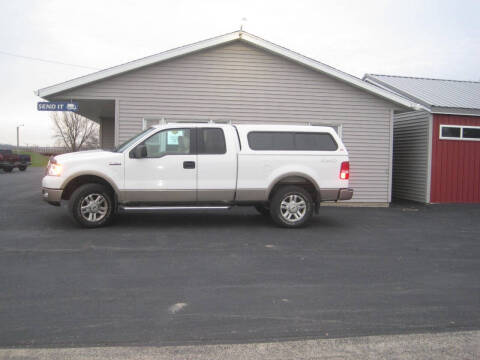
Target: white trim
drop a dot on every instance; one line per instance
(453, 113)
(461, 138)
(390, 160)
(429, 159)
(237, 35)
(116, 125)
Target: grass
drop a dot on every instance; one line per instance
(38, 160)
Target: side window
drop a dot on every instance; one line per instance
(260, 140)
(315, 141)
(471, 133)
(168, 142)
(271, 141)
(450, 132)
(211, 141)
(460, 132)
(288, 141)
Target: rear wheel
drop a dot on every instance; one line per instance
(91, 205)
(22, 168)
(8, 169)
(291, 206)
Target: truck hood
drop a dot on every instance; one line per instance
(86, 156)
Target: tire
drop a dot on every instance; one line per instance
(100, 200)
(8, 169)
(263, 209)
(22, 168)
(291, 206)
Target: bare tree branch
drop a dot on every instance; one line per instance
(74, 131)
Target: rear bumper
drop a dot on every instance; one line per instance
(52, 196)
(345, 194)
(336, 194)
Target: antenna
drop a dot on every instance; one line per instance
(243, 22)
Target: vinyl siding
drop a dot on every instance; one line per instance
(245, 84)
(410, 155)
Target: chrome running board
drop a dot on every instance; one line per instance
(170, 208)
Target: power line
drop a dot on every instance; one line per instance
(45, 60)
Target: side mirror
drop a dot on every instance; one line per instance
(140, 151)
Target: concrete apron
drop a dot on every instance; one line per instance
(449, 345)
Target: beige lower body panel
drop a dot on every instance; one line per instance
(252, 195)
(215, 195)
(221, 195)
(146, 196)
(184, 196)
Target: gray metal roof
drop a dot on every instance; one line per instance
(432, 92)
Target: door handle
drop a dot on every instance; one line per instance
(189, 164)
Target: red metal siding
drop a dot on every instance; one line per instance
(455, 164)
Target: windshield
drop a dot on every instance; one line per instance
(126, 144)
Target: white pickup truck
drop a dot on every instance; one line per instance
(284, 171)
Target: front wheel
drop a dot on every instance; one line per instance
(22, 168)
(91, 205)
(291, 206)
(8, 169)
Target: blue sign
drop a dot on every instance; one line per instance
(57, 106)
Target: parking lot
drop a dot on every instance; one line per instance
(232, 276)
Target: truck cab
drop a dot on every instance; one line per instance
(285, 171)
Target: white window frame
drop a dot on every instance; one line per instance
(461, 138)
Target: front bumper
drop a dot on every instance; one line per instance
(52, 196)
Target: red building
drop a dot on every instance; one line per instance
(436, 150)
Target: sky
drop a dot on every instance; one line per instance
(439, 39)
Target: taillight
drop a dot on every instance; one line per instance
(345, 170)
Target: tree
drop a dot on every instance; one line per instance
(75, 131)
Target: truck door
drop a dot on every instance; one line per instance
(217, 164)
(166, 171)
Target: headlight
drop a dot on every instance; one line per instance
(54, 169)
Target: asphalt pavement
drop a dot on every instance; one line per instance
(231, 277)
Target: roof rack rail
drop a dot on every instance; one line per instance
(151, 120)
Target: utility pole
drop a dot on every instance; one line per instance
(18, 136)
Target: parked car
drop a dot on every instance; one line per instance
(284, 171)
(9, 160)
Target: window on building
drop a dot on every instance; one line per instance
(471, 133)
(451, 132)
(459, 132)
(168, 142)
(211, 141)
(273, 140)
